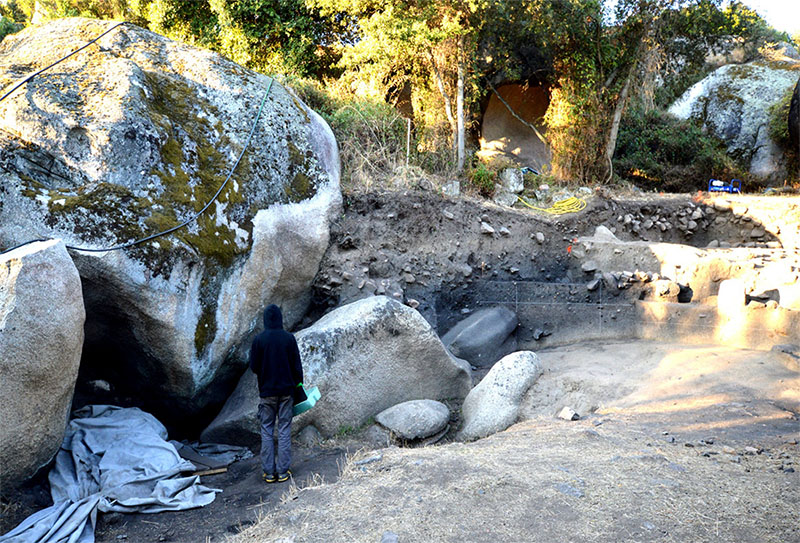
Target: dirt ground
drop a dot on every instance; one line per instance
(675, 443)
(689, 444)
(243, 500)
(434, 252)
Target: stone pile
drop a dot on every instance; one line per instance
(705, 220)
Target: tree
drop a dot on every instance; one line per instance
(600, 66)
(425, 44)
(282, 36)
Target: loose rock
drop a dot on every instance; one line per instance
(494, 403)
(415, 419)
(567, 413)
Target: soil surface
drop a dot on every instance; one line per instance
(434, 253)
(689, 444)
(675, 443)
(244, 498)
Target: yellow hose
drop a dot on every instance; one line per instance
(561, 207)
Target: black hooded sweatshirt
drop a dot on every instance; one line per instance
(275, 358)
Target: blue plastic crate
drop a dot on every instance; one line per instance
(715, 185)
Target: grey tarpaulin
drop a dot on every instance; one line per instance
(211, 455)
(111, 459)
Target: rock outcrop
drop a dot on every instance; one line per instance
(41, 336)
(493, 405)
(484, 337)
(733, 103)
(365, 357)
(134, 135)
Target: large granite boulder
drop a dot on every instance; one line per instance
(493, 405)
(132, 136)
(41, 336)
(365, 357)
(733, 103)
(484, 337)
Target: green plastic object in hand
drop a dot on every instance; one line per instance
(312, 395)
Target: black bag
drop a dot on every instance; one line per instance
(299, 395)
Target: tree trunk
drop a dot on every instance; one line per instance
(611, 145)
(448, 108)
(460, 152)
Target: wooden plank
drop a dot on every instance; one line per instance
(211, 471)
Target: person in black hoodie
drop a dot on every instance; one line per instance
(275, 359)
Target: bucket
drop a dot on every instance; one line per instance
(313, 395)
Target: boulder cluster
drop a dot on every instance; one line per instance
(377, 359)
(167, 323)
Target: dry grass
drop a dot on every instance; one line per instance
(315, 480)
(548, 480)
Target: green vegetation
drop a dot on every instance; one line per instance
(779, 119)
(691, 33)
(370, 66)
(8, 26)
(344, 431)
(482, 178)
(660, 152)
(779, 130)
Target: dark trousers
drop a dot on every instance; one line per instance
(269, 409)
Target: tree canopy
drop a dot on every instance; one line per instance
(442, 56)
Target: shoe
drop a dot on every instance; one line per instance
(269, 477)
(283, 477)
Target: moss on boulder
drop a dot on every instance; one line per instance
(135, 135)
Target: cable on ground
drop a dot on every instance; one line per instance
(561, 207)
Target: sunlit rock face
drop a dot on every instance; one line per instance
(503, 134)
(134, 135)
(733, 104)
